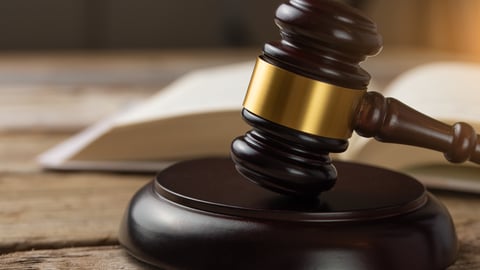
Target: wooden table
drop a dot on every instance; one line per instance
(70, 220)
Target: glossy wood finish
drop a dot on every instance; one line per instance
(268, 154)
(373, 219)
(389, 120)
(326, 41)
(70, 220)
(204, 211)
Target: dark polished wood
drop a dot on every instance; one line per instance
(389, 120)
(70, 220)
(201, 214)
(326, 41)
(269, 153)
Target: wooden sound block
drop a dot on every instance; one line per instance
(202, 214)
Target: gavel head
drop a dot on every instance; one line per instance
(302, 96)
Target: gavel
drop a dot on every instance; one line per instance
(308, 93)
(306, 97)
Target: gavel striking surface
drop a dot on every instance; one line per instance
(202, 214)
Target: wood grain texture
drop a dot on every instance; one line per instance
(114, 257)
(44, 99)
(42, 209)
(107, 257)
(54, 210)
(45, 210)
(465, 212)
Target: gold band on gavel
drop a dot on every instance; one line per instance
(301, 103)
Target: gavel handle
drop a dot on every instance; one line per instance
(389, 120)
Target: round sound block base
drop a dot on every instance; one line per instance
(202, 214)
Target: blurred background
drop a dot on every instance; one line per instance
(87, 58)
(449, 25)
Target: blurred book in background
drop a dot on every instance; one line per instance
(199, 115)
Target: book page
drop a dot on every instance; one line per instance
(446, 91)
(449, 91)
(207, 90)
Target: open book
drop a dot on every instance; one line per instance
(446, 91)
(199, 115)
